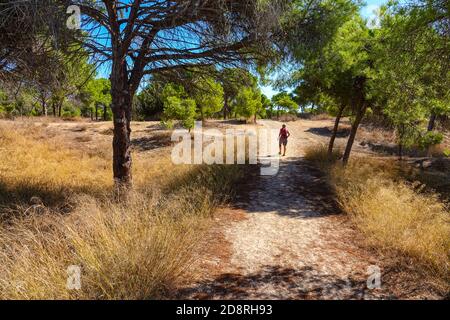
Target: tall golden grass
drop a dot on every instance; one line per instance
(319, 155)
(137, 249)
(393, 214)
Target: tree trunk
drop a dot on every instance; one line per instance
(104, 113)
(96, 112)
(121, 107)
(54, 108)
(60, 109)
(44, 107)
(432, 122)
(400, 151)
(225, 108)
(351, 138)
(335, 130)
(400, 142)
(202, 115)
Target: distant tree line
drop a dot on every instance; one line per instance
(187, 60)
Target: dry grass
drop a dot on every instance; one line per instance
(321, 116)
(286, 118)
(41, 163)
(374, 134)
(136, 249)
(319, 155)
(46, 169)
(393, 215)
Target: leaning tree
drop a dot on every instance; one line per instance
(143, 38)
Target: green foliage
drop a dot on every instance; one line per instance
(233, 79)
(180, 109)
(149, 103)
(267, 107)
(11, 107)
(310, 25)
(284, 103)
(248, 102)
(404, 115)
(446, 153)
(69, 110)
(99, 91)
(3, 102)
(327, 80)
(177, 106)
(71, 76)
(412, 79)
(97, 94)
(209, 97)
(430, 139)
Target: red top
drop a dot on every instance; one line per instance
(284, 132)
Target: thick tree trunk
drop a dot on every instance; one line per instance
(432, 122)
(96, 112)
(122, 142)
(335, 130)
(121, 107)
(54, 109)
(354, 130)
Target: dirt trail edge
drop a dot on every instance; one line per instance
(284, 239)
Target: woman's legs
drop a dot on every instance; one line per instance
(283, 143)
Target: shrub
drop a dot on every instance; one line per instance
(430, 139)
(70, 111)
(394, 215)
(446, 153)
(319, 156)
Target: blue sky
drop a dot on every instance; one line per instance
(368, 12)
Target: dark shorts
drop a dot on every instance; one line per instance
(283, 141)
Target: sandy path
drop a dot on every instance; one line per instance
(290, 242)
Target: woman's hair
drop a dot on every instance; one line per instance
(284, 126)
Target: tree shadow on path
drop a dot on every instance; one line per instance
(276, 282)
(326, 132)
(299, 190)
